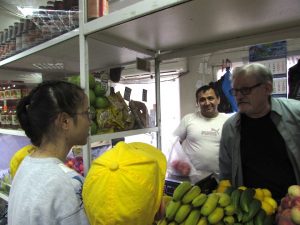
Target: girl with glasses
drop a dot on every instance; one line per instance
(44, 191)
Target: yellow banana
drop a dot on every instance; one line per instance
(228, 220)
(171, 210)
(210, 204)
(193, 218)
(199, 200)
(181, 189)
(216, 216)
(224, 199)
(182, 213)
(191, 194)
(163, 222)
(202, 221)
(229, 210)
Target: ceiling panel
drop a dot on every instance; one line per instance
(207, 21)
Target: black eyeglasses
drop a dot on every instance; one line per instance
(90, 114)
(244, 90)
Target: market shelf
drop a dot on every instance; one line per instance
(102, 137)
(131, 12)
(12, 132)
(199, 27)
(4, 197)
(57, 51)
(47, 44)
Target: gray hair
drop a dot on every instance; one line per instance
(261, 72)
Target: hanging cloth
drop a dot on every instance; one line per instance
(294, 81)
(226, 86)
(224, 105)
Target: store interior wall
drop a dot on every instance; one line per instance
(203, 69)
(6, 19)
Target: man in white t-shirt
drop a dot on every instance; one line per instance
(200, 132)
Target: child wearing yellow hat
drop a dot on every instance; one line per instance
(124, 186)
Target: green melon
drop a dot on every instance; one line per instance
(92, 81)
(92, 97)
(74, 80)
(93, 128)
(101, 102)
(99, 90)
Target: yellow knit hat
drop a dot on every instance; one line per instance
(18, 158)
(124, 186)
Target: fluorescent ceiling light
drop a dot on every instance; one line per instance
(49, 66)
(26, 11)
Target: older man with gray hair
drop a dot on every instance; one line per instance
(260, 145)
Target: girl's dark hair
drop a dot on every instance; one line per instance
(38, 111)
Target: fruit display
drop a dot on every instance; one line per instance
(116, 117)
(75, 163)
(289, 208)
(112, 113)
(231, 206)
(5, 183)
(97, 97)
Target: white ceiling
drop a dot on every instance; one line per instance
(208, 25)
(200, 22)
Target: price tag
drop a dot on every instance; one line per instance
(144, 97)
(127, 93)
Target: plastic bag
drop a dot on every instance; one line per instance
(178, 162)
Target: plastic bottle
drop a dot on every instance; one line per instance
(1, 47)
(9, 118)
(12, 43)
(14, 119)
(15, 92)
(74, 16)
(37, 31)
(97, 8)
(31, 34)
(45, 21)
(61, 15)
(54, 28)
(1, 116)
(19, 36)
(4, 115)
(5, 44)
(25, 38)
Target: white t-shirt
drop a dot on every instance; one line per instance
(200, 138)
(46, 192)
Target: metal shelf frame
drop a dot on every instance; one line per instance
(4, 197)
(12, 132)
(160, 30)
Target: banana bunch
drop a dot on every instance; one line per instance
(250, 207)
(222, 186)
(268, 204)
(191, 207)
(225, 206)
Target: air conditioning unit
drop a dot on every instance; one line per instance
(168, 68)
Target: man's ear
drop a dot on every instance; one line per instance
(269, 87)
(63, 121)
(218, 100)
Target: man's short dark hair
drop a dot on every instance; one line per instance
(205, 88)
